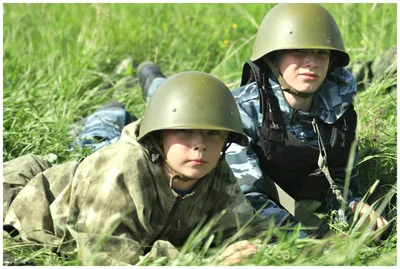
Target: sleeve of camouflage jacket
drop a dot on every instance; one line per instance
(30, 212)
(243, 160)
(17, 173)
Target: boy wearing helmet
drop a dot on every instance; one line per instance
(164, 177)
(296, 104)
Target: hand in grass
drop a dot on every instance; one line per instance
(379, 223)
(237, 252)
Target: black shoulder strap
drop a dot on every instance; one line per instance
(274, 114)
(344, 129)
(269, 105)
(250, 73)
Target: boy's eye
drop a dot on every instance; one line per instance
(187, 131)
(319, 52)
(213, 132)
(296, 50)
(324, 52)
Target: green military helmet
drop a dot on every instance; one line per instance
(299, 26)
(193, 100)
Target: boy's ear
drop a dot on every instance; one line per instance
(228, 141)
(157, 137)
(332, 61)
(274, 57)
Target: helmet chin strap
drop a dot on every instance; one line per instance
(224, 149)
(174, 174)
(284, 85)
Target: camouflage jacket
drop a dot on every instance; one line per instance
(329, 104)
(116, 202)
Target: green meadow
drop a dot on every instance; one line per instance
(58, 58)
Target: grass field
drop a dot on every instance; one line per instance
(57, 56)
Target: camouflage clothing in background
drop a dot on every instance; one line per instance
(103, 127)
(115, 203)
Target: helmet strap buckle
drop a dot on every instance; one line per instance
(284, 85)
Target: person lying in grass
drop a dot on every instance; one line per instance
(163, 178)
(296, 104)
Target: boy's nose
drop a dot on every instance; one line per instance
(311, 58)
(200, 147)
(199, 142)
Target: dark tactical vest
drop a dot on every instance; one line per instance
(292, 164)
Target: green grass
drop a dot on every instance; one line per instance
(56, 56)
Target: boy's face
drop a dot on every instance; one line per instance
(304, 69)
(193, 153)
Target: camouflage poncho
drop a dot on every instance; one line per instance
(116, 202)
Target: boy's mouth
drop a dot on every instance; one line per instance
(198, 161)
(309, 76)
